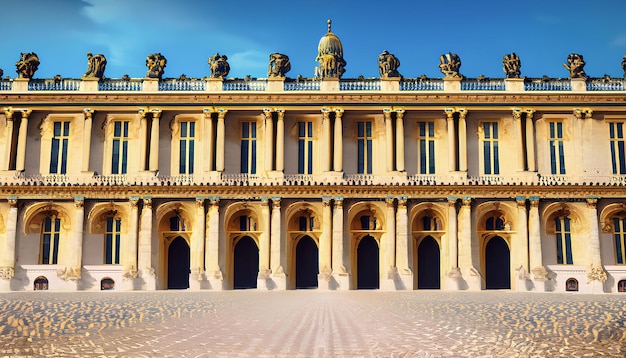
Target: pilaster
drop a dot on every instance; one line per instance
(197, 246)
(213, 272)
(279, 279)
(340, 249)
(325, 245)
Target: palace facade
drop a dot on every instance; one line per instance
(328, 183)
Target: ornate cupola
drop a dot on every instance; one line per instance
(330, 56)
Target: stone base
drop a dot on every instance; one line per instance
(596, 287)
(340, 282)
(278, 282)
(473, 279)
(404, 281)
(148, 281)
(195, 284)
(215, 281)
(454, 280)
(539, 285)
(5, 285)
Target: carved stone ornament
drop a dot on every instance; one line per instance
(7, 273)
(575, 65)
(129, 272)
(388, 65)
(27, 65)
(156, 65)
(450, 64)
(512, 65)
(596, 274)
(96, 64)
(279, 65)
(330, 56)
(69, 273)
(624, 65)
(218, 65)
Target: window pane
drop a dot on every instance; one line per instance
(117, 249)
(108, 249)
(431, 157)
(64, 156)
(422, 156)
(54, 156)
(369, 156)
(115, 157)
(552, 157)
(182, 167)
(360, 131)
(117, 129)
(245, 130)
(57, 129)
(301, 156)
(244, 156)
(183, 129)
(310, 158)
(45, 249)
(360, 156)
(561, 158)
(487, 157)
(496, 159)
(124, 156)
(66, 128)
(301, 129)
(253, 162)
(191, 156)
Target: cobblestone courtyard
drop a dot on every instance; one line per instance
(311, 323)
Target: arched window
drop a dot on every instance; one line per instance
(107, 284)
(619, 235)
(621, 286)
(494, 223)
(49, 249)
(571, 285)
(41, 283)
(368, 222)
(112, 241)
(247, 223)
(430, 223)
(306, 223)
(563, 240)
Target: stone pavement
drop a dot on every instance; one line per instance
(310, 323)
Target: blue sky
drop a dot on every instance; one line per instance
(187, 32)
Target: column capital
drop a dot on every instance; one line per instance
(326, 200)
(338, 111)
(267, 111)
(156, 113)
(133, 200)
(147, 202)
(214, 200)
(339, 202)
(400, 113)
(207, 112)
(12, 201)
(387, 113)
(521, 201)
(517, 113)
(592, 201)
(402, 200)
(390, 200)
(449, 113)
(26, 112)
(276, 202)
(88, 113)
(200, 201)
(265, 201)
(534, 201)
(467, 200)
(281, 113)
(8, 111)
(142, 112)
(529, 112)
(452, 200)
(462, 112)
(221, 113)
(79, 202)
(582, 113)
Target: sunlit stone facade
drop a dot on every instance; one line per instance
(339, 184)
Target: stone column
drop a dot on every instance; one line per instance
(143, 139)
(264, 245)
(276, 254)
(209, 140)
(462, 140)
(144, 255)
(451, 140)
(338, 135)
(522, 237)
(454, 274)
(389, 139)
(73, 252)
(339, 260)
(280, 140)
(530, 141)
(517, 127)
(400, 140)
(325, 245)
(88, 113)
(130, 262)
(539, 273)
(211, 259)
(8, 112)
(404, 247)
(269, 139)
(196, 259)
(595, 272)
(154, 141)
(7, 265)
(391, 232)
(220, 144)
(466, 249)
(21, 142)
(327, 140)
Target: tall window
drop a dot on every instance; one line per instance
(616, 140)
(426, 147)
(364, 143)
(557, 156)
(58, 152)
(112, 241)
(187, 141)
(490, 148)
(248, 147)
(563, 240)
(50, 240)
(619, 234)
(120, 147)
(305, 148)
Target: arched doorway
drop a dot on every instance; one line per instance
(245, 263)
(41, 283)
(428, 264)
(307, 263)
(367, 264)
(178, 264)
(497, 264)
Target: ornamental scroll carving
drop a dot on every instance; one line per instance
(218, 65)
(27, 65)
(156, 65)
(279, 65)
(96, 64)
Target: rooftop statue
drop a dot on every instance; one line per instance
(388, 65)
(27, 65)
(95, 66)
(624, 65)
(156, 65)
(512, 65)
(450, 65)
(330, 56)
(279, 65)
(219, 66)
(575, 65)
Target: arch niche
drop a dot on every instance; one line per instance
(366, 229)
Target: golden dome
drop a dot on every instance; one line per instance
(330, 44)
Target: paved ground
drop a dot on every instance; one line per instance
(311, 324)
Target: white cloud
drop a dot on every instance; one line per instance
(251, 62)
(619, 41)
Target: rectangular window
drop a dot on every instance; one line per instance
(112, 241)
(563, 241)
(50, 241)
(557, 156)
(187, 143)
(364, 144)
(58, 152)
(120, 147)
(426, 147)
(619, 233)
(490, 148)
(305, 148)
(248, 147)
(616, 140)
